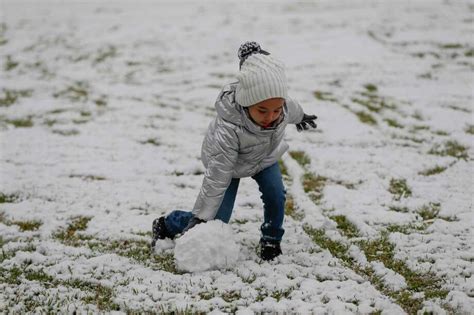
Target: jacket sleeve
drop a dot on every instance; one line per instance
(223, 147)
(295, 112)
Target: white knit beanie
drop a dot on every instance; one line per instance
(261, 77)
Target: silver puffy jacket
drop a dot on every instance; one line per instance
(236, 147)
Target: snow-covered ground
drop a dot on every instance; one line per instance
(103, 106)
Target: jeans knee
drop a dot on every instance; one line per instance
(274, 192)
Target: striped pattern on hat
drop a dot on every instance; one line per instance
(261, 77)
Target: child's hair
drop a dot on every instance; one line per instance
(261, 76)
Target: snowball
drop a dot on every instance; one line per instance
(207, 246)
(162, 246)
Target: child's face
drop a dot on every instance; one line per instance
(267, 111)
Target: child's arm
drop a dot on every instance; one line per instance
(298, 117)
(223, 146)
(295, 112)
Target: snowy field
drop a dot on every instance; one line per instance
(103, 107)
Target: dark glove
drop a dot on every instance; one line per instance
(192, 223)
(307, 120)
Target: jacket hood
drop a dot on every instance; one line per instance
(229, 110)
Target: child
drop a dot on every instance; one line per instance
(244, 140)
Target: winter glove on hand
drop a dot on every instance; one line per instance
(307, 120)
(192, 223)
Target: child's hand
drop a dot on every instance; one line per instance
(307, 120)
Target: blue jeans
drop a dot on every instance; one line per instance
(272, 194)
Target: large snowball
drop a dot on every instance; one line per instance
(207, 246)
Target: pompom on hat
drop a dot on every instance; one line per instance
(261, 76)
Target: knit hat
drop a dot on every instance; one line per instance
(261, 77)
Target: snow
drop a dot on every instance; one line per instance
(208, 246)
(124, 149)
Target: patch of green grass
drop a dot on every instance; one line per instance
(187, 310)
(469, 129)
(21, 122)
(10, 64)
(324, 96)
(58, 111)
(66, 133)
(101, 102)
(11, 276)
(382, 250)
(412, 139)
(290, 209)
(366, 118)
(7, 254)
(99, 295)
(460, 109)
(337, 249)
(420, 127)
(29, 225)
(240, 221)
(10, 96)
(433, 171)
(469, 53)
(17, 274)
(4, 220)
(102, 296)
(68, 235)
(441, 133)
(373, 102)
(8, 198)
(417, 115)
(451, 46)
(281, 294)
(399, 209)
(450, 148)
(77, 92)
(231, 296)
(39, 275)
(369, 104)
(344, 183)
(347, 227)
(300, 157)
(407, 228)
(151, 141)
(137, 250)
(372, 88)
(87, 177)
(144, 234)
(393, 123)
(107, 52)
(80, 121)
(314, 186)
(429, 211)
(50, 122)
(399, 188)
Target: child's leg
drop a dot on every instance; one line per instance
(177, 220)
(225, 210)
(273, 196)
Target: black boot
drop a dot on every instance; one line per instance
(269, 249)
(160, 232)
